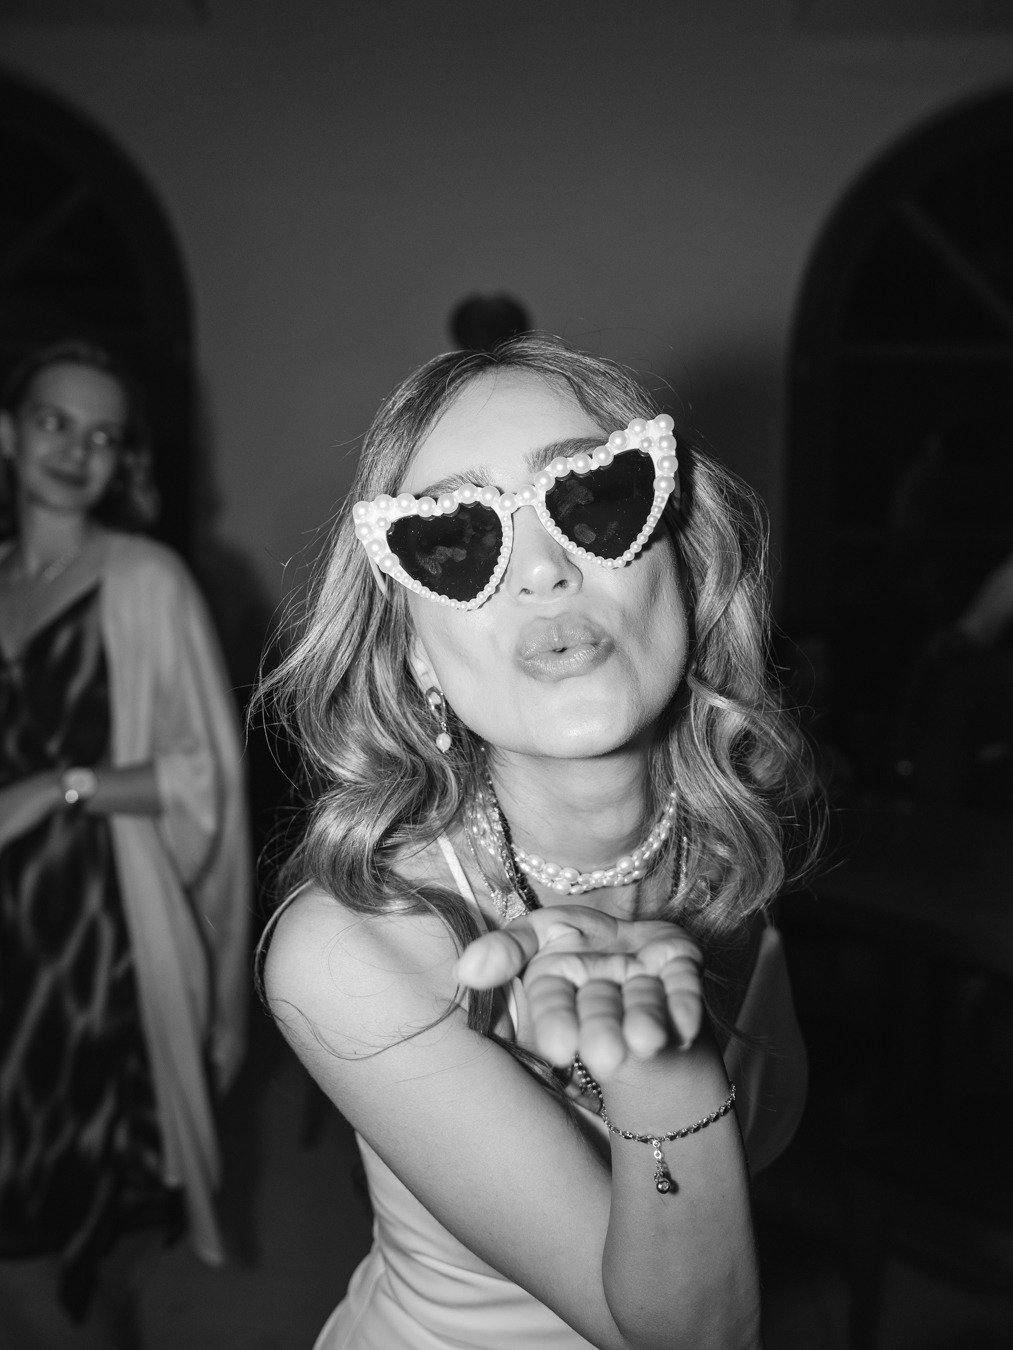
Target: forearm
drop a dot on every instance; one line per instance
(131, 790)
(127, 790)
(679, 1269)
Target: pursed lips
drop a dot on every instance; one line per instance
(564, 646)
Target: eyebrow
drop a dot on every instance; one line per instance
(535, 460)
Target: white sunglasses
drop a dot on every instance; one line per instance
(600, 505)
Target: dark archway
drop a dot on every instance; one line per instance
(901, 412)
(86, 248)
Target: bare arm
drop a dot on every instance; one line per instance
(498, 1160)
(132, 790)
(627, 996)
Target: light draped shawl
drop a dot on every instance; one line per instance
(185, 875)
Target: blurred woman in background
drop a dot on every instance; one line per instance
(124, 867)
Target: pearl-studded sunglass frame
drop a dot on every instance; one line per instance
(600, 505)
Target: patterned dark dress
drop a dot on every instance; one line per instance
(80, 1146)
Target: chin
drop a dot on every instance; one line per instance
(590, 736)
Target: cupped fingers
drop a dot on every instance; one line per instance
(678, 963)
(552, 1005)
(660, 951)
(646, 1025)
(681, 981)
(601, 1043)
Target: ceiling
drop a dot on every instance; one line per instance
(855, 18)
(111, 13)
(912, 18)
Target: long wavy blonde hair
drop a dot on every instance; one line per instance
(346, 693)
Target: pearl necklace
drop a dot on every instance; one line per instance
(521, 898)
(632, 866)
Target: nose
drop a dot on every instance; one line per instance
(539, 568)
(77, 446)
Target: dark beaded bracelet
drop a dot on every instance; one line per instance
(663, 1180)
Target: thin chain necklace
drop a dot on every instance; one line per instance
(48, 573)
(510, 904)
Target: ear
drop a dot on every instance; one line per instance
(422, 667)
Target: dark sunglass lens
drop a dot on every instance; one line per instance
(604, 510)
(453, 555)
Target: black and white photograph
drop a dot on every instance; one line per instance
(506, 675)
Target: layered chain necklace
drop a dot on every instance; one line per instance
(489, 828)
(488, 831)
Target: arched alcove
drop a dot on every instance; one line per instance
(900, 492)
(85, 248)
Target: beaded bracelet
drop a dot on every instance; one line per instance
(663, 1180)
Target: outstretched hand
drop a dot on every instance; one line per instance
(597, 985)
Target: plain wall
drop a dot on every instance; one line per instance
(649, 178)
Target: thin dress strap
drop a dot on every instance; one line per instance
(468, 895)
(260, 954)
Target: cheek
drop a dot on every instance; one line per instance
(103, 471)
(466, 653)
(659, 641)
(27, 453)
(106, 475)
(29, 469)
(456, 645)
(659, 613)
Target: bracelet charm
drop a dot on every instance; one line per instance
(664, 1182)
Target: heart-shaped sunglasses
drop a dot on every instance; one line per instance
(601, 505)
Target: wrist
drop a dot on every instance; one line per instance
(642, 1093)
(656, 1136)
(78, 785)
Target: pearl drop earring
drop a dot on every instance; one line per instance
(436, 701)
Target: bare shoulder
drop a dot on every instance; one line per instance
(356, 981)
